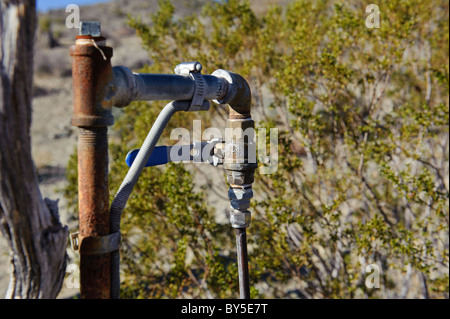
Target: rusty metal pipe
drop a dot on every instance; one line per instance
(90, 74)
(94, 209)
(91, 71)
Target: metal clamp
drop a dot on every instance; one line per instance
(95, 245)
(194, 69)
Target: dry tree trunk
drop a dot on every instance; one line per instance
(29, 223)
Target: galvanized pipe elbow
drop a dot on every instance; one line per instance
(238, 95)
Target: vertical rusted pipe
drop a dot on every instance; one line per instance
(91, 71)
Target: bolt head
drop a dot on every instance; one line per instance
(185, 68)
(198, 67)
(91, 28)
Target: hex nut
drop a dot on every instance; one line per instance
(240, 204)
(240, 193)
(239, 177)
(238, 95)
(240, 219)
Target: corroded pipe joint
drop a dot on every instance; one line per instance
(91, 72)
(240, 152)
(122, 90)
(238, 97)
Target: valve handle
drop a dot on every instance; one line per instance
(202, 152)
(158, 157)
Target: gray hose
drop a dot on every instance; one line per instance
(132, 177)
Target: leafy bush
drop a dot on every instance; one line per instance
(363, 154)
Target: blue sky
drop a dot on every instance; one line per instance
(44, 5)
